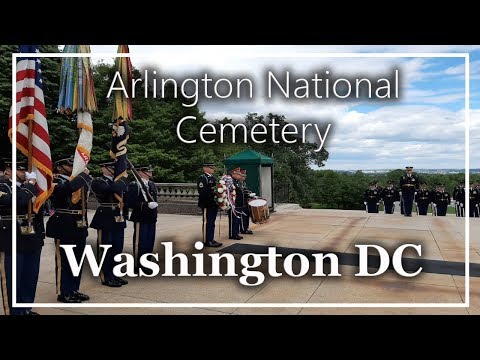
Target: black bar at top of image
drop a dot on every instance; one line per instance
(313, 28)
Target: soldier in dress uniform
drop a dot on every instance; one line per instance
(441, 200)
(109, 220)
(235, 215)
(30, 238)
(144, 214)
(459, 198)
(247, 194)
(474, 196)
(372, 198)
(423, 199)
(206, 186)
(69, 226)
(408, 186)
(389, 196)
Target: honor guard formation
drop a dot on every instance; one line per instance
(412, 190)
(120, 200)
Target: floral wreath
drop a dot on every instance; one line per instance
(225, 193)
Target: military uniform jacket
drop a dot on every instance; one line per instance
(474, 195)
(423, 196)
(25, 193)
(66, 223)
(409, 183)
(246, 193)
(206, 186)
(441, 198)
(459, 194)
(135, 199)
(372, 195)
(109, 215)
(240, 193)
(389, 195)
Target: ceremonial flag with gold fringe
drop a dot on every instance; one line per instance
(77, 96)
(122, 112)
(33, 139)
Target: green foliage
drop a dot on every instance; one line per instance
(153, 140)
(340, 190)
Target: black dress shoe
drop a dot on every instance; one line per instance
(80, 296)
(249, 232)
(121, 281)
(238, 237)
(111, 283)
(212, 243)
(31, 313)
(68, 299)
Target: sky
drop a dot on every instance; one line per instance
(424, 128)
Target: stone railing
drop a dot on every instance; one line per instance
(174, 192)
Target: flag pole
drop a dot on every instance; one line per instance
(30, 229)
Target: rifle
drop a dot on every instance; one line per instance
(148, 196)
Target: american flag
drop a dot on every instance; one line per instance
(30, 106)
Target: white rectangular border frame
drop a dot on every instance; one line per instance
(466, 304)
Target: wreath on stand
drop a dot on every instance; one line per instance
(225, 193)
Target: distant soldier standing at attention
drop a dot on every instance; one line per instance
(423, 199)
(474, 195)
(459, 198)
(441, 200)
(389, 196)
(372, 198)
(408, 185)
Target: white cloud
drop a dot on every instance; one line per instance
(424, 135)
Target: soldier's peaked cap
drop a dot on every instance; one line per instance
(209, 164)
(7, 162)
(145, 168)
(64, 161)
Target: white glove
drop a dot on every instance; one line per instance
(30, 175)
(252, 194)
(152, 205)
(400, 193)
(364, 203)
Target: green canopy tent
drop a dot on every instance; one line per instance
(259, 172)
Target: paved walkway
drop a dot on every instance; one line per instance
(442, 238)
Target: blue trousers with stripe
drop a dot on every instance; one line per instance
(28, 267)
